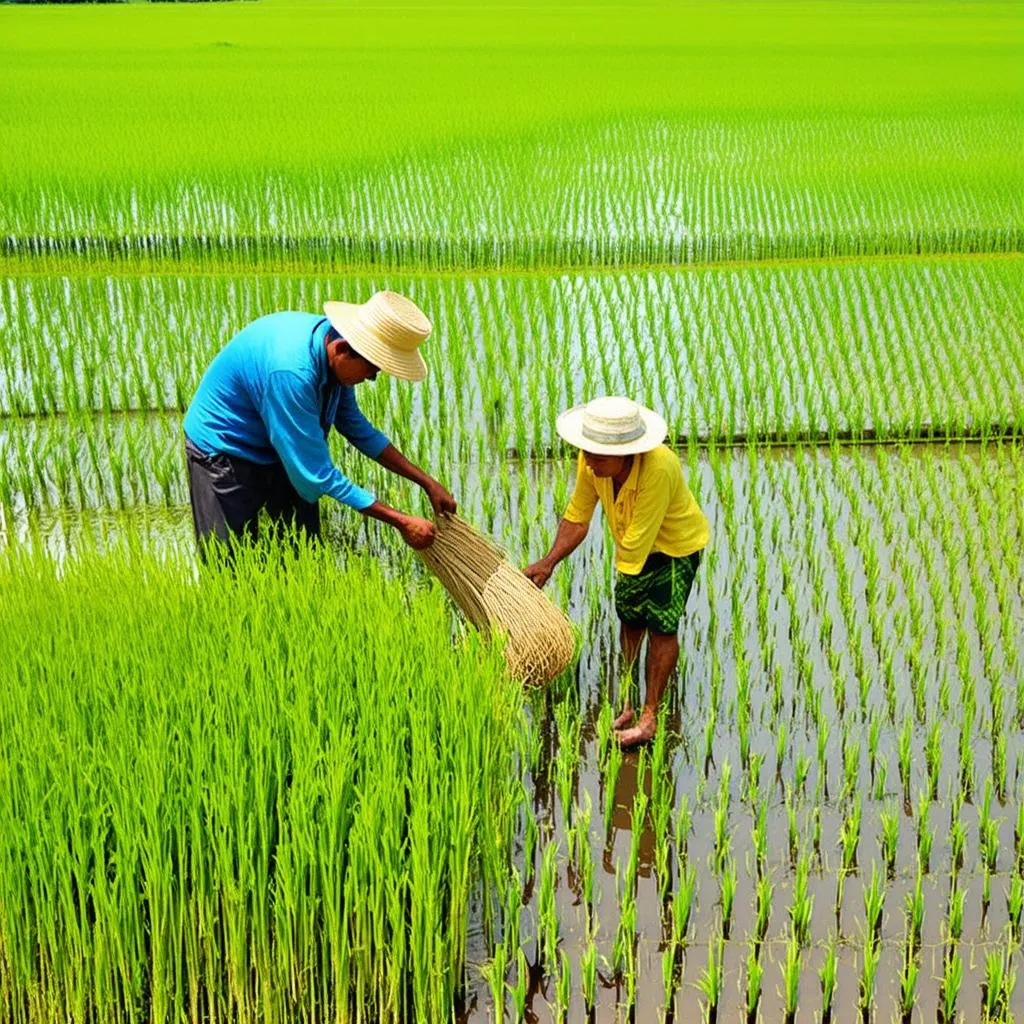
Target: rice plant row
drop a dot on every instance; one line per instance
(645, 191)
(900, 349)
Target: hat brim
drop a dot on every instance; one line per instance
(570, 428)
(346, 320)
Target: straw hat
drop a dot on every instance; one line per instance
(612, 426)
(387, 329)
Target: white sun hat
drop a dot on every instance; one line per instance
(387, 329)
(612, 426)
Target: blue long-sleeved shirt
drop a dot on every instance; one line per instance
(270, 394)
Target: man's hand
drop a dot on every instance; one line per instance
(539, 573)
(417, 533)
(440, 498)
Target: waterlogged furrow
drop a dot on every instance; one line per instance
(622, 192)
(234, 797)
(901, 349)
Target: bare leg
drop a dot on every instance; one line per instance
(662, 657)
(631, 638)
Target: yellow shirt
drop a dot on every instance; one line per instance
(654, 510)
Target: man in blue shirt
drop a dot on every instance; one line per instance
(256, 430)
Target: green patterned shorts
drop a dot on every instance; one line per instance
(656, 598)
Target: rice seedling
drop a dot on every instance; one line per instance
(913, 903)
(925, 835)
(869, 970)
(791, 967)
(874, 903)
(710, 982)
(952, 979)
(547, 907)
(755, 973)
(801, 906)
(588, 975)
(563, 987)
(908, 984)
(1014, 906)
(827, 977)
(889, 836)
(727, 880)
(850, 836)
(521, 987)
(682, 904)
(1000, 980)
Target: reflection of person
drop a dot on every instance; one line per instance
(256, 430)
(659, 532)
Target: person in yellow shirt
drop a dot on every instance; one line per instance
(659, 530)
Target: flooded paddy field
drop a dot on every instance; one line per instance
(836, 786)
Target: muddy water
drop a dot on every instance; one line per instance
(936, 530)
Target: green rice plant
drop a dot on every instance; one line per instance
(957, 845)
(827, 977)
(764, 909)
(710, 982)
(563, 987)
(755, 974)
(1014, 905)
(682, 904)
(869, 970)
(925, 835)
(682, 832)
(801, 907)
(588, 975)
(611, 776)
(850, 836)
(520, 989)
(906, 739)
(955, 914)
(547, 907)
(952, 979)
(727, 880)
(791, 968)
(913, 903)
(908, 984)
(759, 836)
(495, 972)
(996, 989)
(889, 834)
(874, 903)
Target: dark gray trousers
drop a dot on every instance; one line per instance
(227, 494)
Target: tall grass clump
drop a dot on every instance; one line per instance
(267, 795)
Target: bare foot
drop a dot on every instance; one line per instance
(624, 719)
(642, 732)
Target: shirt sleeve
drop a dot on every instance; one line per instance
(584, 496)
(293, 426)
(652, 500)
(350, 422)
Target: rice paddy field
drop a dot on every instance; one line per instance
(304, 791)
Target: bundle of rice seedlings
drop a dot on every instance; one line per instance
(494, 595)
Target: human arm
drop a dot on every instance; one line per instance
(293, 427)
(568, 538)
(395, 462)
(356, 428)
(572, 529)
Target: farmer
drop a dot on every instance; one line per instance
(659, 532)
(256, 430)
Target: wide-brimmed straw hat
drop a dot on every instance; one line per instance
(387, 329)
(612, 426)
